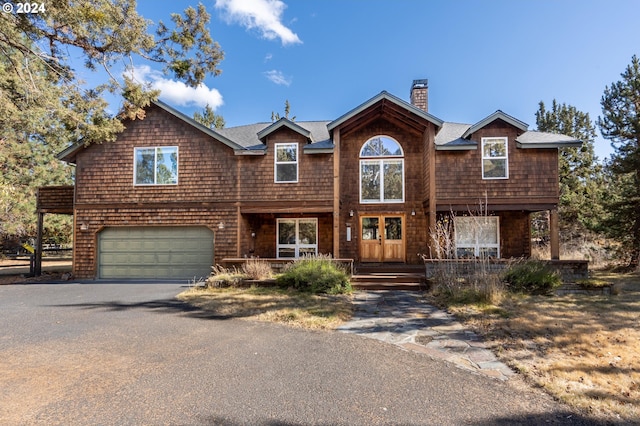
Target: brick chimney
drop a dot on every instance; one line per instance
(420, 94)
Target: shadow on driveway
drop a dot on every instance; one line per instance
(162, 306)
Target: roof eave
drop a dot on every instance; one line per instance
(456, 147)
(249, 151)
(317, 150)
(69, 154)
(547, 145)
(201, 127)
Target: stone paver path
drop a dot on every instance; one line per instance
(405, 319)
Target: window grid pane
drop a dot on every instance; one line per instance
(286, 162)
(156, 165)
(494, 158)
(296, 237)
(393, 180)
(370, 180)
(477, 236)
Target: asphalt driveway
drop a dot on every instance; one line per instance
(116, 354)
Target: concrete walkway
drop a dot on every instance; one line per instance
(404, 318)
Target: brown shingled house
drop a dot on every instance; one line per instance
(170, 197)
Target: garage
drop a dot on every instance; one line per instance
(180, 252)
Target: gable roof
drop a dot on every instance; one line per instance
(70, 152)
(495, 116)
(211, 132)
(455, 136)
(284, 122)
(251, 136)
(382, 96)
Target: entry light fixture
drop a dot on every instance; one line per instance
(221, 225)
(351, 213)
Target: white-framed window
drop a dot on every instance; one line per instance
(286, 163)
(155, 165)
(381, 171)
(495, 158)
(477, 236)
(296, 237)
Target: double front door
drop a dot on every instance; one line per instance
(382, 238)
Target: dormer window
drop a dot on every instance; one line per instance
(495, 158)
(286, 163)
(381, 171)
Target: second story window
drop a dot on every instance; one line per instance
(495, 158)
(286, 163)
(155, 165)
(381, 171)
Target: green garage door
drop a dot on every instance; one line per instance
(155, 252)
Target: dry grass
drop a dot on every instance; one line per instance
(318, 312)
(584, 350)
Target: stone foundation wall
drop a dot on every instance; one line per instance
(570, 270)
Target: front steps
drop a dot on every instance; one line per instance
(389, 277)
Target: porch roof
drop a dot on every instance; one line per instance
(282, 207)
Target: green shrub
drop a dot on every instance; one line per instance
(315, 274)
(532, 277)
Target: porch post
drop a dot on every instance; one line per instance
(336, 194)
(554, 234)
(38, 254)
(431, 191)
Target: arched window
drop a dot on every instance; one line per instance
(381, 171)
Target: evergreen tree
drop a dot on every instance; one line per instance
(275, 116)
(209, 118)
(580, 173)
(620, 123)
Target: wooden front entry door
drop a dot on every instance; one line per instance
(381, 238)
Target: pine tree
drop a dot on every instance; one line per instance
(581, 175)
(209, 118)
(275, 116)
(620, 123)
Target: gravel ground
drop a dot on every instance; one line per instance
(118, 354)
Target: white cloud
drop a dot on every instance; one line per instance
(278, 78)
(176, 92)
(263, 15)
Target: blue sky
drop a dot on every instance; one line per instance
(328, 56)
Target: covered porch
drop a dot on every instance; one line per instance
(284, 232)
(496, 231)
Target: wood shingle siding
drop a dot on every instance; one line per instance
(533, 174)
(55, 199)
(315, 177)
(226, 182)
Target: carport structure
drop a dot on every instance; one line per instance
(51, 199)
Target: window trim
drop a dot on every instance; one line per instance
(476, 246)
(276, 163)
(505, 157)
(297, 245)
(381, 161)
(155, 165)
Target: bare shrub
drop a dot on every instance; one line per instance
(225, 277)
(470, 280)
(257, 269)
